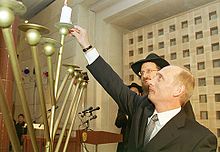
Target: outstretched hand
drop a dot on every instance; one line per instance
(81, 35)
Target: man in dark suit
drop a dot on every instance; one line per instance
(171, 88)
(21, 128)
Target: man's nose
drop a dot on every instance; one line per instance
(146, 75)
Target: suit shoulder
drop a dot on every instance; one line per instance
(197, 128)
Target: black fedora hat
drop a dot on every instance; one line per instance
(160, 62)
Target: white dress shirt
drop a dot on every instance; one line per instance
(163, 118)
(91, 55)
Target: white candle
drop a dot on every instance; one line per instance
(66, 14)
(65, 2)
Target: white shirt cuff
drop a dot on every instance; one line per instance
(91, 55)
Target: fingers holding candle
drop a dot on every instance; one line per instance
(81, 35)
(74, 30)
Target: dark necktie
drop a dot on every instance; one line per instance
(150, 127)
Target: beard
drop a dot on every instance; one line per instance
(145, 88)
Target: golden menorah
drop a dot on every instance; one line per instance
(33, 33)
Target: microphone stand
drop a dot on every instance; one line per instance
(87, 125)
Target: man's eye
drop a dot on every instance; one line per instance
(159, 77)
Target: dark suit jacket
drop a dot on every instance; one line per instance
(21, 130)
(123, 122)
(180, 134)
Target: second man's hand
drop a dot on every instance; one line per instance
(81, 36)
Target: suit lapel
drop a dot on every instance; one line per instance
(167, 134)
(139, 122)
(147, 113)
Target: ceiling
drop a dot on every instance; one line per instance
(150, 11)
(34, 6)
(143, 13)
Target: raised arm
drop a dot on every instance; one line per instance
(105, 75)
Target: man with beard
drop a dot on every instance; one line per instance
(147, 68)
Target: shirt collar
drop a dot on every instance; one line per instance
(164, 117)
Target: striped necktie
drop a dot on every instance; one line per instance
(149, 129)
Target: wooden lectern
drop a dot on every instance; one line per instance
(82, 136)
(96, 138)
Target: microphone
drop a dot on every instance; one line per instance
(87, 121)
(93, 117)
(97, 108)
(84, 111)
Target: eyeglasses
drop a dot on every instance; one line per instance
(147, 71)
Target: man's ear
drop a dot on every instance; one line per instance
(179, 90)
